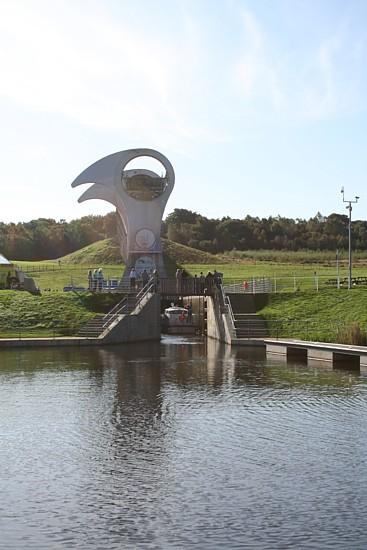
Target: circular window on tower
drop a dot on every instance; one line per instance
(145, 239)
(144, 184)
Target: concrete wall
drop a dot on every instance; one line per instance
(217, 323)
(142, 324)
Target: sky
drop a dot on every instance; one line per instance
(260, 105)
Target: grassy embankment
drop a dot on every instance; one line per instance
(329, 315)
(59, 314)
(304, 314)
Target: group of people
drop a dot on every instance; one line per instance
(201, 283)
(95, 280)
(142, 279)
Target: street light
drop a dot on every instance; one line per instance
(349, 207)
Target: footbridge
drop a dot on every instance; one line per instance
(166, 287)
(132, 307)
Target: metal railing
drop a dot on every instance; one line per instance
(293, 283)
(128, 304)
(258, 285)
(230, 315)
(187, 286)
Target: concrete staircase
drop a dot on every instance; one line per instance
(99, 323)
(94, 327)
(247, 323)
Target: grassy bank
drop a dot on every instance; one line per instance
(49, 314)
(329, 315)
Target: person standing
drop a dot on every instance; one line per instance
(156, 280)
(94, 280)
(189, 314)
(196, 284)
(132, 278)
(178, 280)
(90, 280)
(217, 278)
(201, 282)
(209, 282)
(145, 277)
(100, 279)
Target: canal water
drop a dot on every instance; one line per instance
(179, 444)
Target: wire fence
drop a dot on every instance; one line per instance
(294, 283)
(28, 269)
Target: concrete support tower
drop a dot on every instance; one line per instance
(140, 197)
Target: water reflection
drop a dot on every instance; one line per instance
(179, 444)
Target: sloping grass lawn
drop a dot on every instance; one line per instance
(327, 315)
(50, 314)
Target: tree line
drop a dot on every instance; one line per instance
(46, 238)
(254, 233)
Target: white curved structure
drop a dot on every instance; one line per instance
(140, 197)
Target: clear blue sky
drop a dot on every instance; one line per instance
(260, 105)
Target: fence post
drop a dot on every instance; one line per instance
(275, 284)
(294, 283)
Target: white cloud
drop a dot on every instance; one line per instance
(311, 82)
(110, 74)
(257, 72)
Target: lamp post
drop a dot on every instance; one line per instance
(349, 208)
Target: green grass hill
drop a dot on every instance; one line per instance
(99, 253)
(108, 252)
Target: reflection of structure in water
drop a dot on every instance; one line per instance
(144, 187)
(138, 384)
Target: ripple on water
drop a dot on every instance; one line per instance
(164, 447)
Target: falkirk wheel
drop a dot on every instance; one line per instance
(140, 197)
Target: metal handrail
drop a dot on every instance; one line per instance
(123, 305)
(231, 315)
(118, 306)
(228, 306)
(151, 284)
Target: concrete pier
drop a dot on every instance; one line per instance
(338, 355)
